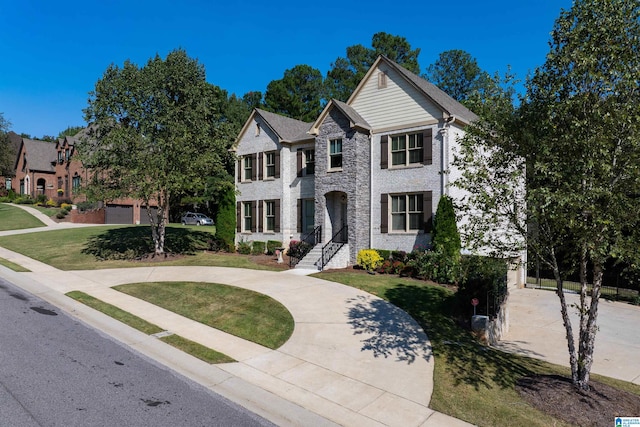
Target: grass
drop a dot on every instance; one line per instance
(13, 266)
(240, 312)
(48, 211)
(183, 344)
(89, 248)
(471, 381)
(14, 218)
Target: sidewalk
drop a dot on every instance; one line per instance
(353, 359)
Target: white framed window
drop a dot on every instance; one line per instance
(407, 212)
(247, 216)
(76, 181)
(247, 164)
(309, 162)
(335, 153)
(270, 164)
(270, 215)
(407, 149)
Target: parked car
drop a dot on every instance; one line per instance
(196, 218)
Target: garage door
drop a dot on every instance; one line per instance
(144, 216)
(118, 214)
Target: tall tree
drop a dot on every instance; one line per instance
(346, 73)
(458, 74)
(446, 237)
(157, 131)
(578, 135)
(297, 95)
(7, 153)
(70, 131)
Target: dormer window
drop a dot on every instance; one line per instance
(66, 154)
(257, 129)
(382, 79)
(60, 157)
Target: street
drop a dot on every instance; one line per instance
(55, 371)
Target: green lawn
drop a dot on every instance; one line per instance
(91, 248)
(48, 211)
(14, 218)
(240, 312)
(13, 266)
(190, 347)
(471, 381)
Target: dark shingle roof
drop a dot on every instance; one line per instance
(289, 130)
(353, 116)
(40, 155)
(440, 97)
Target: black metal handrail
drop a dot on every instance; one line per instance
(333, 246)
(308, 242)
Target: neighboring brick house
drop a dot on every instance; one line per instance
(380, 163)
(35, 168)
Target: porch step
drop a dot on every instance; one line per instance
(310, 261)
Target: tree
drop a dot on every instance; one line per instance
(70, 131)
(297, 95)
(578, 135)
(7, 153)
(157, 131)
(346, 73)
(445, 230)
(458, 74)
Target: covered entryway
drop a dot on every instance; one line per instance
(335, 226)
(118, 214)
(40, 186)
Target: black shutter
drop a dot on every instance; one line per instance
(299, 226)
(260, 219)
(384, 151)
(427, 146)
(277, 156)
(427, 211)
(254, 216)
(384, 213)
(239, 217)
(299, 161)
(276, 227)
(240, 169)
(254, 166)
(260, 164)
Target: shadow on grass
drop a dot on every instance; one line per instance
(467, 360)
(389, 331)
(136, 242)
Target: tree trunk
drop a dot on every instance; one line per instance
(158, 228)
(588, 331)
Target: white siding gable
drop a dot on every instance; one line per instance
(395, 106)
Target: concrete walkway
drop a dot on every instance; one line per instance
(353, 359)
(536, 330)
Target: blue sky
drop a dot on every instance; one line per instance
(54, 52)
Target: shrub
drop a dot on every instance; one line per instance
(61, 214)
(435, 266)
(369, 259)
(24, 200)
(244, 247)
(384, 253)
(64, 201)
(41, 199)
(5, 199)
(445, 235)
(272, 245)
(11, 194)
(385, 267)
(397, 267)
(481, 278)
(215, 244)
(297, 248)
(226, 219)
(85, 206)
(257, 248)
(51, 203)
(399, 256)
(66, 207)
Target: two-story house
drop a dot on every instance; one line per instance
(368, 173)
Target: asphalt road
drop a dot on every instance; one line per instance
(55, 371)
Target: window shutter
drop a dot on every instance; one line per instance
(238, 217)
(384, 151)
(427, 146)
(254, 216)
(299, 162)
(277, 164)
(427, 211)
(240, 169)
(299, 226)
(260, 165)
(276, 226)
(384, 213)
(254, 166)
(260, 218)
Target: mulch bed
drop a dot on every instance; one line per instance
(556, 396)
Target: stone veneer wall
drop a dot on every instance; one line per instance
(353, 179)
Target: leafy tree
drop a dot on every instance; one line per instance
(70, 131)
(48, 138)
(578, 135)
(297, 95)
(458, 74)
(157, 131)
(7, 153)
(346, 73)
(226, 219)
(445, 230)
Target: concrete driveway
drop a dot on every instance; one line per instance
(536, 330)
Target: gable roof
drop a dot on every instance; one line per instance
(287, 129)
(432, 92)
(40, 155)
(355, 119)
